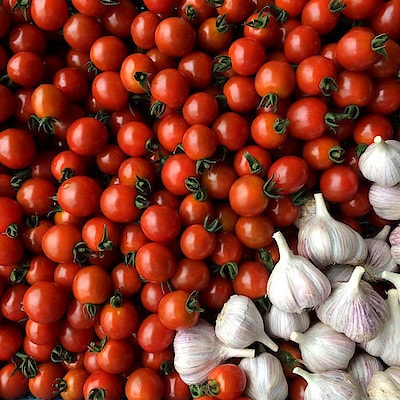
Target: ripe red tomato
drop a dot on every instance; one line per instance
(144, 384)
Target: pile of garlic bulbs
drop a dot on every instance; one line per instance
(349, 346)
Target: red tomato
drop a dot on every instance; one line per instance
(339, 183)
(144, 384)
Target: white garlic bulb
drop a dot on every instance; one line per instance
(354, 308)
(295, 284)
(394, 240)
(385, 201)
(338, 273)
(239, 324)
(281, 324)
(379, 257)
(361, 367)
(265, 377)
(336, 384)
(385, 385)
(323, 349)
(388, 338)
(197, 351)
(380, 162)
(325, 241)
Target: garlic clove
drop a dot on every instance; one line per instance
(307, 212)
(281, 324)
(197, 351)
(295, 284)
(385, 201)
(326, 241)
(324, 349)
(354, 308)
(380, 162)
(265, 377)
(239, 324)
(389, 337)
(379, 257)
(385, 385)
(336, 384)
(361, 367)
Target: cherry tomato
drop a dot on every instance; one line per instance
(144, 384)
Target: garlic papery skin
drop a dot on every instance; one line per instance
(265, 377)
(325, 241)
(361, 367)
(239, 324)
(281, 324)
(307, 212)
(386, 344)
(380, 162)
(329, 385)
(295, 284)
(385, 201)
(379, 257)
(394, 240)
(338, 273)
(197, 351)
(323, 349)
(385, 385)
(354, 308)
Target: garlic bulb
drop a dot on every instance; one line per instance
(197, 351)
(394, 240)
(295, 284)
(325, 241)
(379, 257)
(265, 377)
(338, 273)
(354, 308)
(336, 384)
(281, 324)
(307, 212)
(323, 349)
(380, 162)
(361, 367)
(389, 337)
(239, 324)
(385, 201)
(385, 385)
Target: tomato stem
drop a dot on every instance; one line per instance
(221, 63)
(287, 359)
(254, 166)
(191, 13)
(60, 385)
(45, 124)
(116, 299)
(212, 387)
(192, 303)
(270, 189)
(378, 44)
(336, 6)
(129, 258)
(280, 14)
(300, 197)
(97, 347)
(211, 226)
(166, 367)
(20, 177)
(157, 109)
(269, 101)
(280, 125)
(23, 6)
(263, 304)
(142, 78)
(105, 243)
(103, 116)
(80, 253)
(27, 365)
(97, 394)
(193, 185)
(328, 85)
(18, 274)
(230, 269)
(336, 154)
(261, 21)
(90, 310)
(12, 231)
(221, 23)
(266, 258)
(350, 112)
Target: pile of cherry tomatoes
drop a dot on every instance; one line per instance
(149, 150)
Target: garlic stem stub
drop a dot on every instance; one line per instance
(385, 385)
(325, 241)
(295, 283)
(239, 324)
(354, 308)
